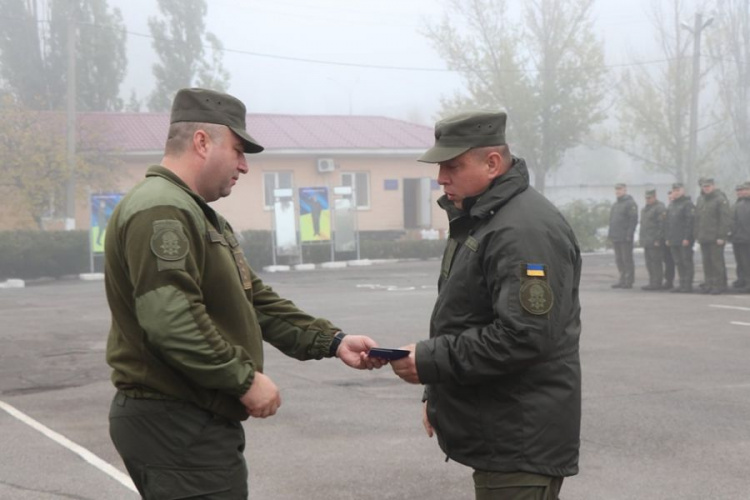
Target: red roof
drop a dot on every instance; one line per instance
(147, 132)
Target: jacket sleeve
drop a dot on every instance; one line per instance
(632, 216)
(725, 220)
(288, 328)
(661, 223)
(514, 339)
(690, 229)
(169, 304)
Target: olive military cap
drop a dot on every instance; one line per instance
(456, 135)
(707, 181)
(620, 185)
(209, 106)
(678, 185)
(651, 192)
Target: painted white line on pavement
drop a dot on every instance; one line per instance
(739, 323)
(736, 308)
(82, 452)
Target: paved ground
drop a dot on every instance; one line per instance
(666, 396)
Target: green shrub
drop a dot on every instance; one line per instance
(36, 254)
(589, 220)
(373, 245)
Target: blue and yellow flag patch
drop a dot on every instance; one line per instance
(535, 270)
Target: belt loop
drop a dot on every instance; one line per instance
(120, 398)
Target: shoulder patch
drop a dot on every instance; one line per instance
(536, 296)
(168, 241)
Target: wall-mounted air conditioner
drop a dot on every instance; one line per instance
(326, 165)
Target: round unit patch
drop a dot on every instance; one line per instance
(536, 296)
(169, 243)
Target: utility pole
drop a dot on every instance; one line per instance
(70, 188)
(693, 138)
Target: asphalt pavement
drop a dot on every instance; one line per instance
(666, 395)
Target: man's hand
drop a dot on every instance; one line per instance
(353, 352)
(720, 242)
(406, 367)
(263, 398)
(426, 421)
(686, 243)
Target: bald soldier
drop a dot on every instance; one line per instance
(189, 316)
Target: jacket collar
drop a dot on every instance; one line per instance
(499, 192)
(165, 173)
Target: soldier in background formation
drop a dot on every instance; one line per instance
(740, 237)
(711, 232)
(679, 234)
(651, 236)
(668, 235)
(623, 218)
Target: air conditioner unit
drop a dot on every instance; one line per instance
(326, 165)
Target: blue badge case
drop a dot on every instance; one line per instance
(389, 354)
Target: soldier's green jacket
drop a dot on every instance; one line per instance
(653, 220)
(712, 218)
(741, 221)
(188, 314)
(623, 217)
(502, 366)
(680, 221)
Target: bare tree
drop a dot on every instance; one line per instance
(547, 72)
(729, 46)
(654, 102)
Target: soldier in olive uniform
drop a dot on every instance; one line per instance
(679, 236)
(712, 221)
(741, 237)
(669, 267)
(651, 237)
(189, 316)
(623, 218)
(501, 367)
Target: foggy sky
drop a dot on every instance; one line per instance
(383, 33)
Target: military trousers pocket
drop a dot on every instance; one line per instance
(163, 483)
(516, 486)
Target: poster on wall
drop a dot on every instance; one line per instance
(102, 206)
(284, 223)
(314, 214)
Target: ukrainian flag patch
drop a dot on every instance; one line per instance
(535, 270)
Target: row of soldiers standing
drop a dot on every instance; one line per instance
(668, 234)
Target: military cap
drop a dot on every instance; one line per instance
(456, 135)
(678, 185)
(739, 187)
(651, 192)
(620, 185)
(707, 181)
(209, 106)
(744, 185)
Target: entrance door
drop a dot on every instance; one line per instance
(417, 203)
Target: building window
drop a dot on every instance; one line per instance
(360, 184)
(272, 181)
